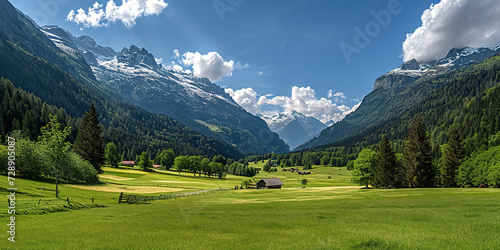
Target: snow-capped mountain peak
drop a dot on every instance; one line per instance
(137, 57)
(88, 44)
(412, 70)
(293, 127)
(138, 77)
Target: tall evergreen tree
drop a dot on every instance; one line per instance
(417, 164)
(452, 159)
(89, 142)
(384, 171)
(15, 124)
(29, 126)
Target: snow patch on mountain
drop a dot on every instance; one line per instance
(412, 70)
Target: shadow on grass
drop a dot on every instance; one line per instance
(374, 243)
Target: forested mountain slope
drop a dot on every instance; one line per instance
(195, 102)
(467, 100)
(387, 103)
(32, 62)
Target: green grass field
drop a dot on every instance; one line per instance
(318, 178)
(324, 215)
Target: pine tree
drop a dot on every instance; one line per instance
(29, 126)
(15, 124)
(89, 142)
(418, 168)
(385, 165)
(452, 158)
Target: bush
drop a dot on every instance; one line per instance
(30, 160)
(79, 170)
(481, 168)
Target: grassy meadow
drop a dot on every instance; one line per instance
(327, 214)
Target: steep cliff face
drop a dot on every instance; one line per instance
(390, 80)
(396, 90)
(412, 70)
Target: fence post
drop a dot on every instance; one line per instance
(92, 200)
(67, 200)
(39, 202)
(120, 199)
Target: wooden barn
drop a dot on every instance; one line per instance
(269, 183)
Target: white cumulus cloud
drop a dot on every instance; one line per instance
(453, 24)
(302, 100)
(246, 98)
(127, 12)
(211, 65)
(337, 97)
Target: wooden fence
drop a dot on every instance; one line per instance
(127, 198)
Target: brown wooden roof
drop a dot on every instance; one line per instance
(272, 182)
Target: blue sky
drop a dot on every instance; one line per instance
(274, 44)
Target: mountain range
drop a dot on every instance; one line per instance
(45, 65)
(293, 127)
(397, 90)
(137, 98)
(135, 74)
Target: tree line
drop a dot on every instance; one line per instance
(418, 166)
(216, 166)
(337, 157)
(51, 156)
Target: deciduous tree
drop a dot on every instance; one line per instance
(145, 162)
(166, 158)
(112, 155)
(363, 167)
(53, 140)
(303, 182)
(181, 163)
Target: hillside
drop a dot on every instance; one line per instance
(467, 99)
(400, 90)
(195, 102)
(28, 65)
